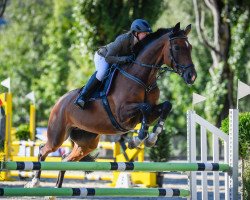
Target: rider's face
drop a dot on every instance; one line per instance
(142, 35)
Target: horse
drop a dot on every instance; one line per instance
(132, 99)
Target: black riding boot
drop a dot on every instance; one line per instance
(88, 89)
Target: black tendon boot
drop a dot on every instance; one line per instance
(88, 89)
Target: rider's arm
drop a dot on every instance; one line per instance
(114, 49)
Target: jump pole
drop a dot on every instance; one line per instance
(115, 166)
(84, 192)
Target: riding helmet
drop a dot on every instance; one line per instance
(140, 25)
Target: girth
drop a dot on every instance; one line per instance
(106, 106)
(105, 102)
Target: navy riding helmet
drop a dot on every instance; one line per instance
(140, 25)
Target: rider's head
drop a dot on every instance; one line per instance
(140, 28)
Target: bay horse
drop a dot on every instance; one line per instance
(132, 99)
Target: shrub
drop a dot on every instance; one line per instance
(244, 132)
(244, 148)
(23, 132)
(161, 151)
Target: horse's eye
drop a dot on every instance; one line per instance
(176, 48)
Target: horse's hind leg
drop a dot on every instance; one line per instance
(84, 143)
(55, 138)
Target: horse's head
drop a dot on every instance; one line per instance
(178, 53)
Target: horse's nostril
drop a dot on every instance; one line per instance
(193, 78)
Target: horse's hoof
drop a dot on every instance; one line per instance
(151, 140)
(131, 144)
(134, 142)
(149, 143)
(33, 184)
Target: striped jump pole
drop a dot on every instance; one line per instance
(84, 192)
(115, 166)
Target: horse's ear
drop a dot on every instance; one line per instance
(176, 28)
(187, 29)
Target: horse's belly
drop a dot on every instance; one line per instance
(93, 119)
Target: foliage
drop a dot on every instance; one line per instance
(21, 49)
(239, 54)
(1, 145)
(161, 151)
(244, 148)
(246, 178)
(100, 22)
(56, 58)
(96, 23)
(229, 25)
(214, 92)
(22, 132)
(244, 133)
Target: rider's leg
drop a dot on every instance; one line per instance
(94, 81)
(88, 89)
(101, 67)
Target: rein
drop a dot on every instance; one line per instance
(175, 67)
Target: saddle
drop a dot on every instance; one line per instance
(102, 93)
(104, 89)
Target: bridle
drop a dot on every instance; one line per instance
(175, 66)
(178, 68)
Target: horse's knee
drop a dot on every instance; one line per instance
(145, 108)
(166, 108)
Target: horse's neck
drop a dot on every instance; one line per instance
(151, 55)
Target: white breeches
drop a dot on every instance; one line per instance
(101, 66)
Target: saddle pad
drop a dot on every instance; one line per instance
(105, 86)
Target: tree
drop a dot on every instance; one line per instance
(55, 60)
(2, 7)
(99, 22)
(96, 23)
(224, 14)
(21, 48)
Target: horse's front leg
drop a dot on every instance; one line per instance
(162, 110)
(136, 141)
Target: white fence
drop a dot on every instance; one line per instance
(230, 143)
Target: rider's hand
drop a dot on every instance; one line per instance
(130, 59)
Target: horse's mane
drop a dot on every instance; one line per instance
(151, 37)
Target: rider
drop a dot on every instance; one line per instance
(119, 51)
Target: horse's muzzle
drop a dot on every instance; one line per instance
(190, 75)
